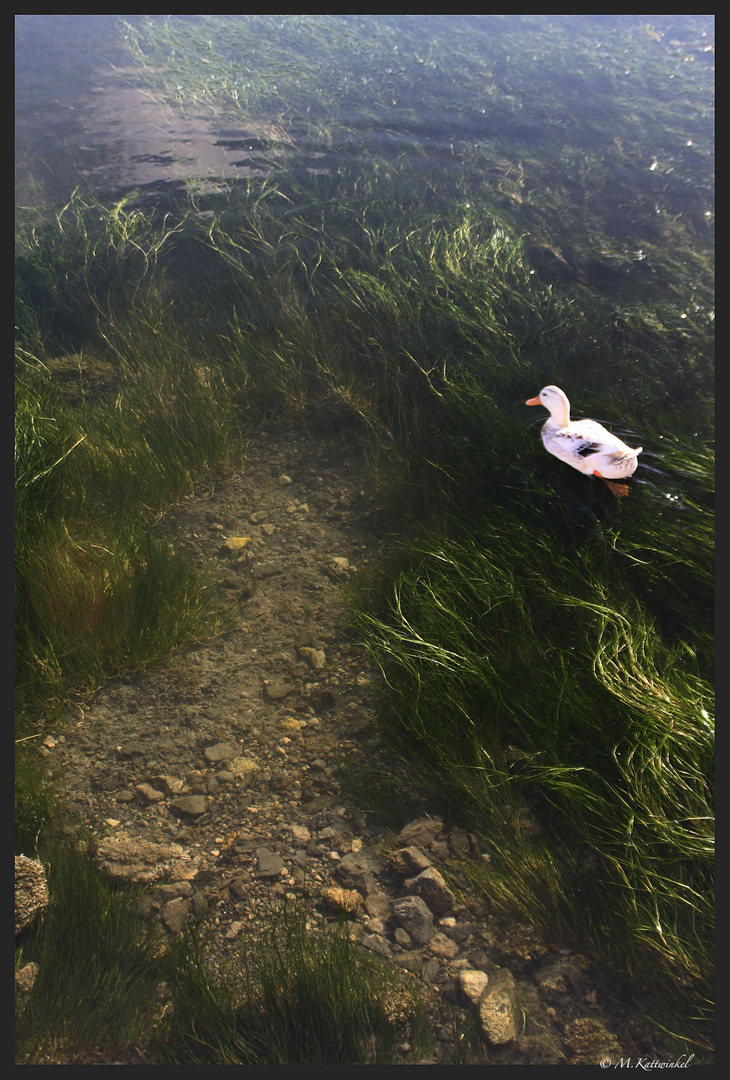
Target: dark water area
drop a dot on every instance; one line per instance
(638, 91)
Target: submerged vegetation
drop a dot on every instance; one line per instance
(304, 993)
(547, 652)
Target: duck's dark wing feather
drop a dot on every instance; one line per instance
(588, 448)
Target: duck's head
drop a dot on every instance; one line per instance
(556, 401)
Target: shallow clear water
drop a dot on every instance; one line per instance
(590, 136)
(636, 93)
(508, 200)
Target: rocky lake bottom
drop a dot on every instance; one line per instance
(218, 779)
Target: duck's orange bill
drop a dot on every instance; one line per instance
(533, 401)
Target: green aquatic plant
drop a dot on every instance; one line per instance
(303, 994)
(516, 683)
(98, 968)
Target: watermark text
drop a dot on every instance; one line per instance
(682, 1062)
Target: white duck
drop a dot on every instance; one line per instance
(584, 444)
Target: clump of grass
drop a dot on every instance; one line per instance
(518, 683)
(96, 590)
(299, 995)
(35, 802)
(98, 968)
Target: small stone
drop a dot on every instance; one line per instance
(175, 914)
(234, 545)
(269, 864)
(415, 918)
(472, 985)
(346, 900)
(149, 793)
(314, 657)
(190, 805)
(591, 1043)
(498, 1008)
(284, 480)
(221, 752)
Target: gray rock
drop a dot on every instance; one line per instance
(152, 795)
(31, 891)
(190, 805)
(498, 1008)
(268, 863)
(410, 860)
(415, 918)
(357, 870)
(175, 913)
(443, 946)
(420, 833)
(432, 888)
(222, 752)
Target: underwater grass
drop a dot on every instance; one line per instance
(519, 685)
(98, 967)
(98, 459)
(300, 995)
(429, 331)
